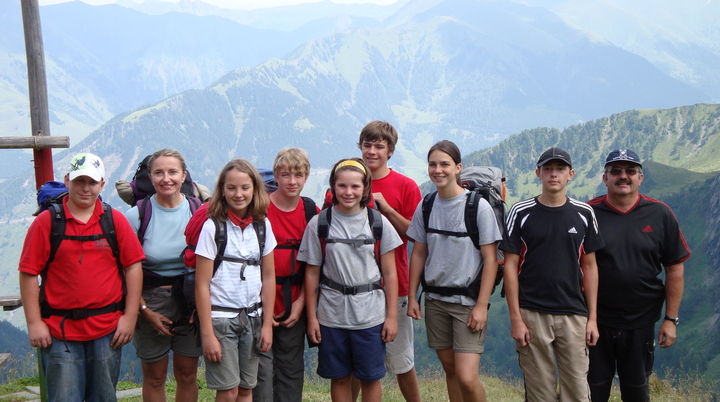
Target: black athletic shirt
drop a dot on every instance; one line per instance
(550, 241)
(637, 244)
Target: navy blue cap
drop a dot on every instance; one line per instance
(554, 153)
(623, 155)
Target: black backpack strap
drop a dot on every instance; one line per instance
(260, 232)
(220, 242)
(471, 210)
(108, 227)
(310, 208)
(427, 205)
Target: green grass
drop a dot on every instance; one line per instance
(675, 387)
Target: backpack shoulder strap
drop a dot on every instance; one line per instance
(107, 223)
(144, 214)
(260, 232)
(323, 223)
(220, 242)
(471, 210)
(310, 208)
(375, 222)
(427, 205)
(194, 202)
(57, 230)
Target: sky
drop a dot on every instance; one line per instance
(242, 4)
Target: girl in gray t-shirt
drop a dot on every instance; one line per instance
(349, 313)
(455, 323)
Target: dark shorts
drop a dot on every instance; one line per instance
(359, 352)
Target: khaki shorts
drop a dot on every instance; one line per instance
(447, 328)
(150, 346)
(555, 338)
(239, 364)
(400, 353)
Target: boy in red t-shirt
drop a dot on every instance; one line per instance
(396, 196)
(85, 318)
(288, 218)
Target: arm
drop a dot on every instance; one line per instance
(312, 281)
(417, 265)
(674, 284)
(267, 295)
(399, 222)
(203, 275)
(518, 329)
(38, 331)
(126, 325)
(389, 272)
(478, 315)
(590, 288)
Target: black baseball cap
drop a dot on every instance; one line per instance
(554, 153)
(623, 155)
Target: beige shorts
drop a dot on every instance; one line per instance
(447, 328)
(554, 338)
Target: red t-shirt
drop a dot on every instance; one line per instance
(83, 275)
(403, 195)
(288, 228)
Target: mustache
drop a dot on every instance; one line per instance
(622, 181)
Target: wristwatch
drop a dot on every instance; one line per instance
(144, 306)
(675, 320)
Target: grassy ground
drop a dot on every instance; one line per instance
(432, 388)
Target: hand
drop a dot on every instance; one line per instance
(124, 331)
(478, 318)
(519, 332)
(211, 348)
(313, 331)
(390, 329)
(414, 309)
(266, 338)
(380, 203)
(158, 321)
(39, 335)
(591, 333)
(667, 334)
(295, 313)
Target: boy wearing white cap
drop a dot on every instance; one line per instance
(87, 306)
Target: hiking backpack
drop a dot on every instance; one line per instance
(485, 182)
(58, 223)
(323, 230)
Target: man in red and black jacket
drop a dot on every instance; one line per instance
(641, 236)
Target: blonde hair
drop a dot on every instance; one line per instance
(293, 159)
(258, 206)
(169, 153)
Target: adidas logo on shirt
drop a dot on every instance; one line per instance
(572, 230)
(647, 229)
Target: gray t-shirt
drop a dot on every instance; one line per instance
(453, 261)
(350, 266)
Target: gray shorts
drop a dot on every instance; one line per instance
(239, 364)
(150, 346)
(447, 328)
(400, 353)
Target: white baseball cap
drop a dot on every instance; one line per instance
(87, 164)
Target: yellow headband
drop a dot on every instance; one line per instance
(352, 163)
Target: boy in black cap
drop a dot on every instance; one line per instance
(551, 283)
(644, 238)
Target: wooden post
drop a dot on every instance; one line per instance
(37, 89)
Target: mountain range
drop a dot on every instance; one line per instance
(483, 73)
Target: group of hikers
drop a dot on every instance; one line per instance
(267, 270)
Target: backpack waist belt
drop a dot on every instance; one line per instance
(156, 281)
(352, 290)
(294, 279)
(247, 310)
(448, 291)
(80, 313)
